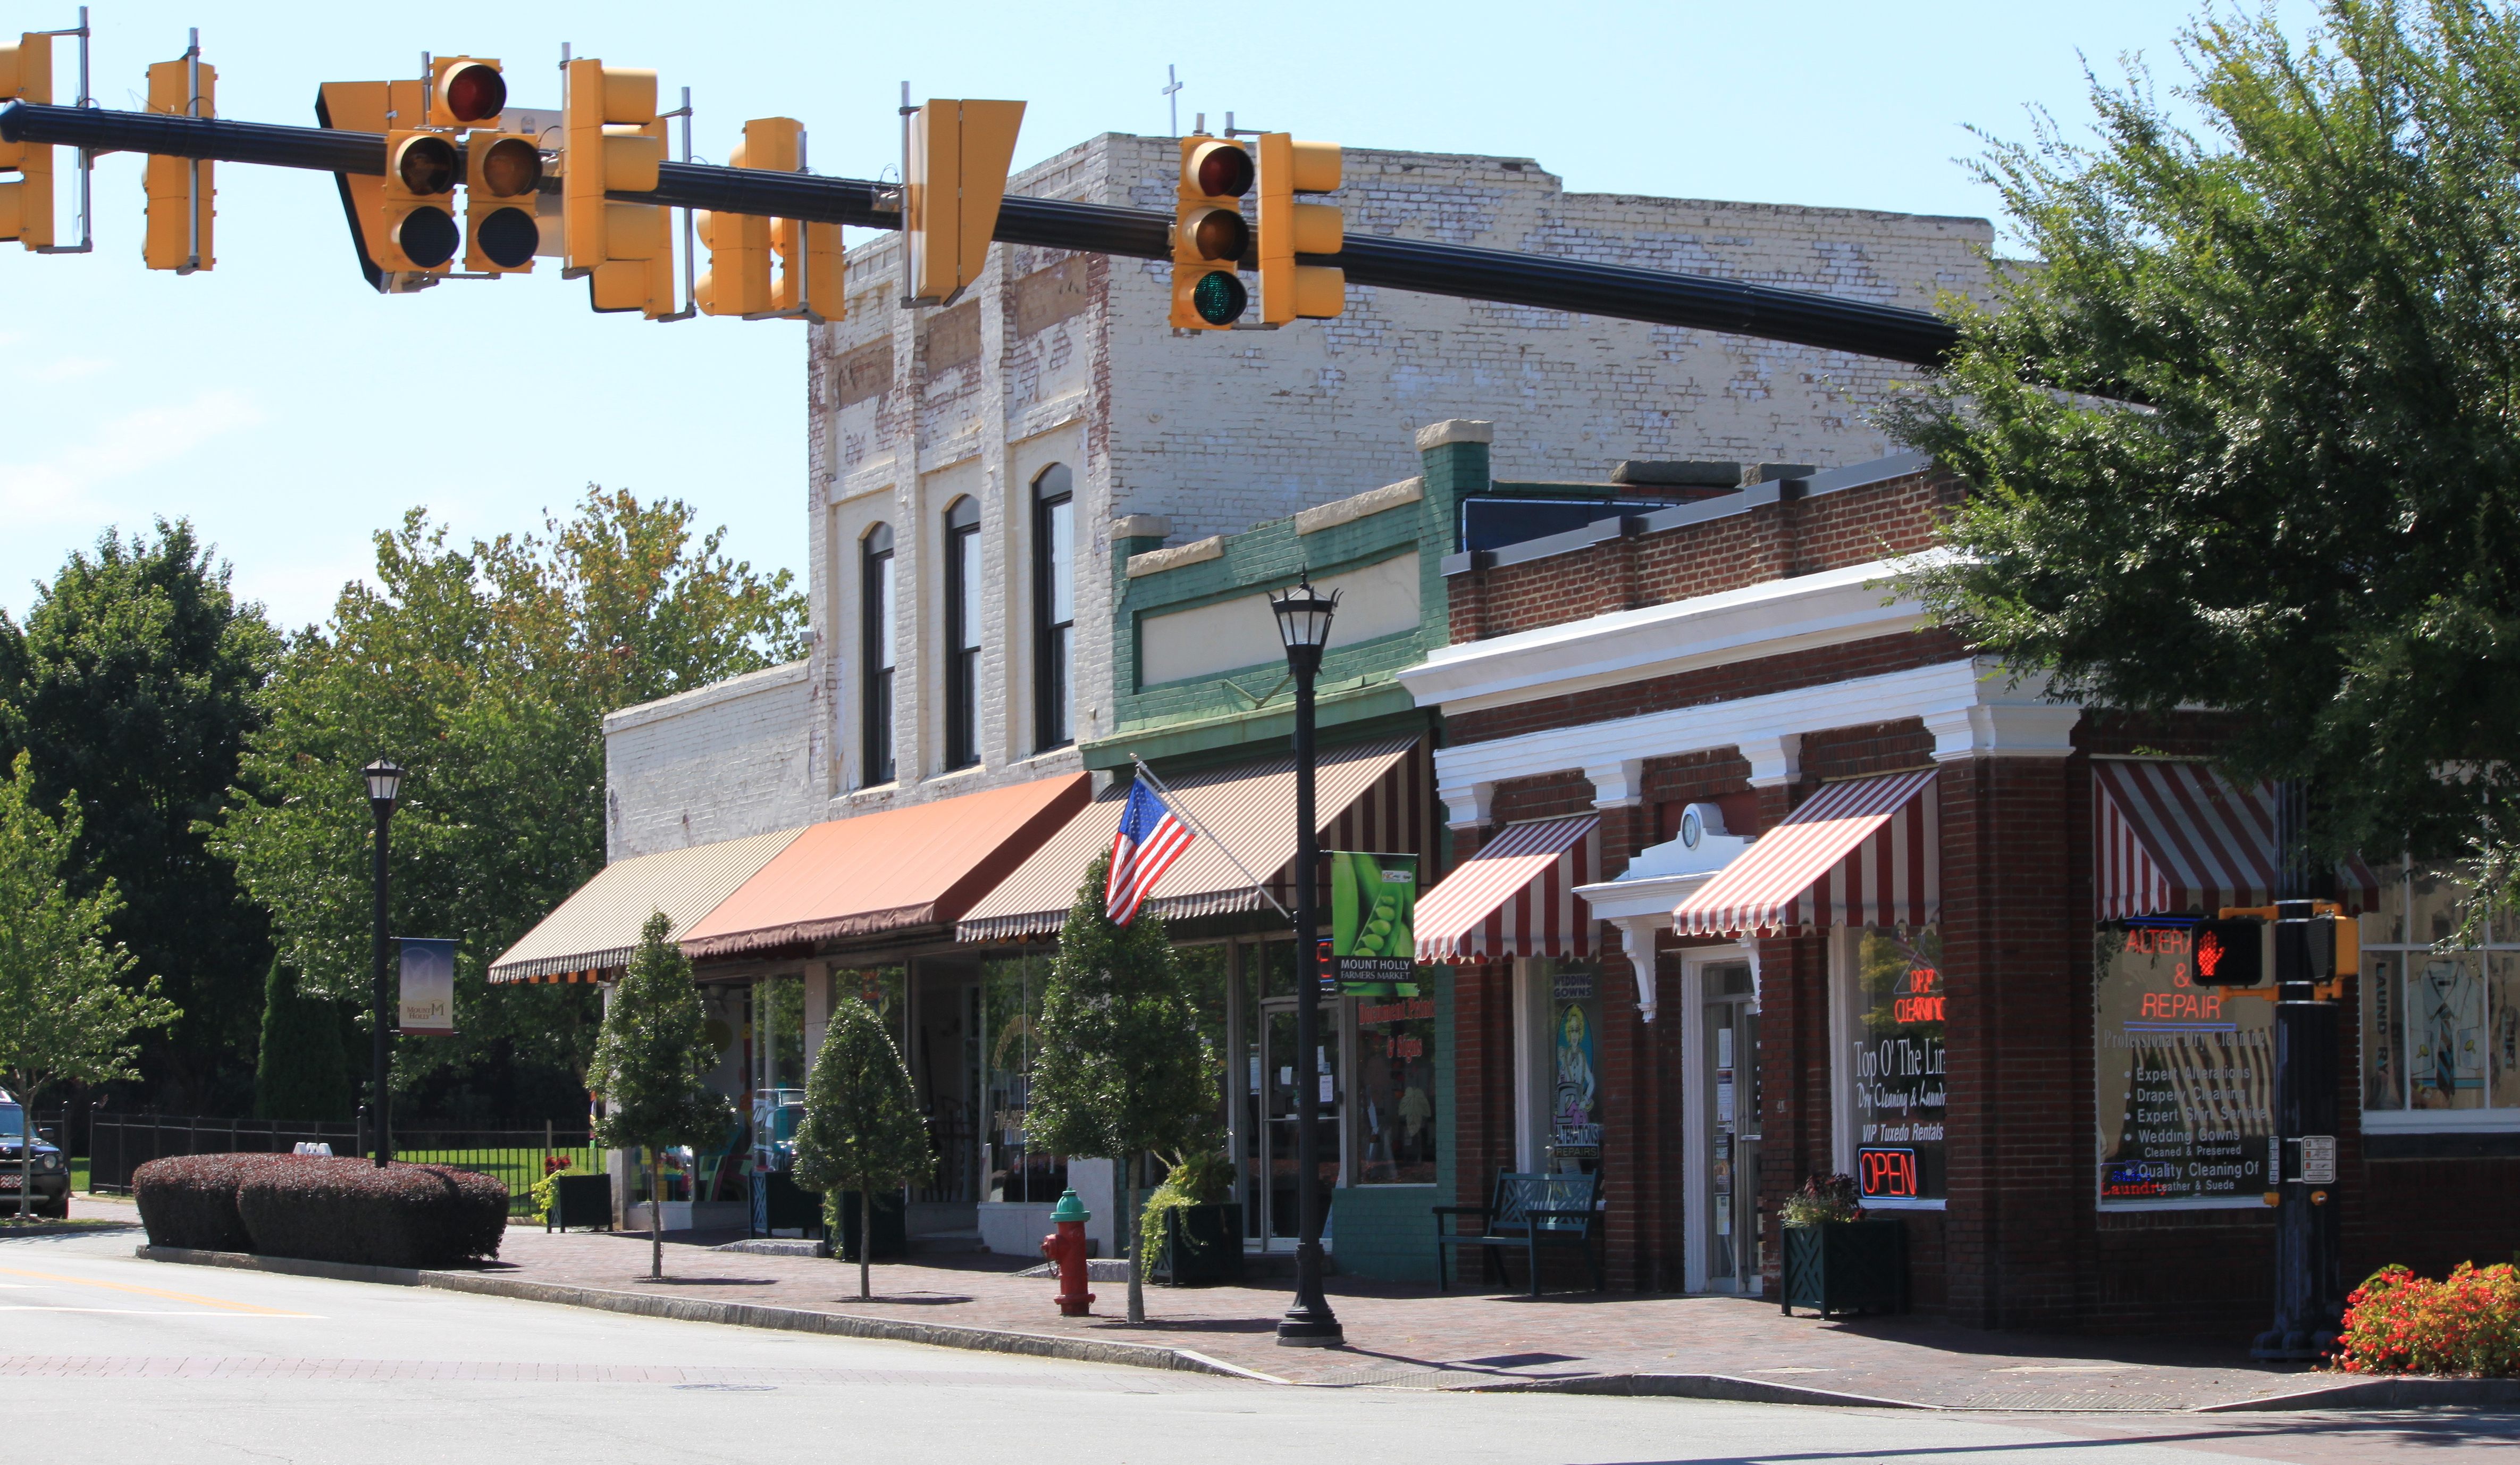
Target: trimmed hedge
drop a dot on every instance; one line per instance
(347, 1210)
(190, 1201)
(322, 1210)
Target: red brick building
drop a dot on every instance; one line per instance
(1812, 889)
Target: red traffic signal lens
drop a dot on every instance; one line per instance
(474, 91)
(1219, 234)
(427, 237)
(507, 238)
(510, 167)
(1221, 170)
(1219, 297)
(426, 165)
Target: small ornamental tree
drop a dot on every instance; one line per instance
(862, 1129)
(1122, 1069)
(652, 1067)
(302, 1073)
(67, 1012)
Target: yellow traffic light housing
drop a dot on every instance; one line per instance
(180, 189)
(955, 177)
(1209, 235)
(614, 141)
(1289, 291)
(419, 233)
(502, 174)
(737, 281)
(466, 91)
(27, 201)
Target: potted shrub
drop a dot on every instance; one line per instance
(1835, 1260)
(1190, 1232)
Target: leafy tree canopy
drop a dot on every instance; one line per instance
(486, 671)
(304, 1071)
(2313, 517)
(1122, 1069)
(653, 1062)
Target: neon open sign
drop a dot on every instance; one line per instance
(1887, 1174)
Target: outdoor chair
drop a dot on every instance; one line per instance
(1528, 1213)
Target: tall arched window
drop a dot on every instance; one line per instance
(1054, 605)
(876, 603)
(962, 633)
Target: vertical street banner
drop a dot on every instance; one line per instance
(428, 987)
(1373, 942)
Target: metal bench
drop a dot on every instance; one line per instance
(1527, 1213)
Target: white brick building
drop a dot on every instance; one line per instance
(1056, 360)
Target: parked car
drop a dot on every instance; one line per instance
(52, 1177)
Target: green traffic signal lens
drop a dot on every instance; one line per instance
(1219, 297)
(507, 238)
(427, 237)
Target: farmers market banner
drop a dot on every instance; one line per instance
(428, 987)
(1374, 904)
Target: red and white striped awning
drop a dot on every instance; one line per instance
(2179, 837)
(1864, 852)
(1517, 896)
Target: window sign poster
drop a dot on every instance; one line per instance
(1901, 1012)
(2186, 1074)
(1575, 1103)
(1374, 904)
(428, 987)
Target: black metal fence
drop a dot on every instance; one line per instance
(120, 1144)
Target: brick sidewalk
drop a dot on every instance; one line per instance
(1412, 1337)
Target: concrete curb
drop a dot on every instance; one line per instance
(732, 1315)
(1709, 1385)
(2387, 1394)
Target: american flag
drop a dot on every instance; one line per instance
(1149, 839)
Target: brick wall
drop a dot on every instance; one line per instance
(717, 763)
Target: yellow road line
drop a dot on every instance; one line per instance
(172, 1297)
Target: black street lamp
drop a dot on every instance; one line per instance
(384, 787)
(1304, 622)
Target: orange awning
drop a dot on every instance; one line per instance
(923, 865)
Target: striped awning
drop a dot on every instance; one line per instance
(2174, 837)
(1375, 796)
(1864, 852)
(598, 928)
(1517, 896)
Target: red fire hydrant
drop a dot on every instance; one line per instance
(1065, 1248)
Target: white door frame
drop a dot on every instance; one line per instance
(1697, 1122)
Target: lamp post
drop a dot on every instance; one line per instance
(1304, 623)
(384, 787)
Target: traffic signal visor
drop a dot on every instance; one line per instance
(466, 91)
(27, 200)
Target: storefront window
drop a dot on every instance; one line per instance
(1575, 1067)
(2187, 1077)
(1010, 990)
(1896, 1067)
(2441, 1028)
(1395, 1090)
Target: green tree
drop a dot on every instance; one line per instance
(1122, 1069)
(304, 1071)
(67, 1008)
(135, 685)
(862, 1129)
(486, 671)
(2243, 436)
(652, 1067)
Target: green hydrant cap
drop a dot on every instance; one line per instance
(1070, 1208)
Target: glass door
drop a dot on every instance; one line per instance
(1268, 1170)
(1730, 1062)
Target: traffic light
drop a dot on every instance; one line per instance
(1209, 235)
(27, 201)
(737, 281)
(180, 190)
(2229, 952)
(503, 171)
(615, 142)
(418, 215)
(810, 254)
(1289, 291)
(960, 152)
(466, 91)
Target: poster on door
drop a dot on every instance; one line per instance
(1373, 905)
(428, 987)
(1575, 1099)
(2186, 1074)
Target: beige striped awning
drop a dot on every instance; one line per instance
(1374, 796)
(599, 926)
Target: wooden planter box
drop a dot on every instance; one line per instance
(580, 1201)
(1202, 1245)
(1846, 1267)
(892, 1226)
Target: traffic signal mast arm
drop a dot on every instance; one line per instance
(1615, 292)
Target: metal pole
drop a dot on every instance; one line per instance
(1309, 1323)
(2310, 1293)
(377, 1099)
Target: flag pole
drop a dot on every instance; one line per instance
(1190, 819)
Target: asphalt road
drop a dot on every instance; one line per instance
(106, 1358)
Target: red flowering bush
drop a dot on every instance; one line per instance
(190, 1201)
(416, 1216)
(2467, 1323)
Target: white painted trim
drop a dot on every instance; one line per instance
(1769, 618)
(751, 683)
(2440, 1120)
(1618, 784)
(1349, 510)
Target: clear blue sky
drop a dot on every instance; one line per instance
(290, 412)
